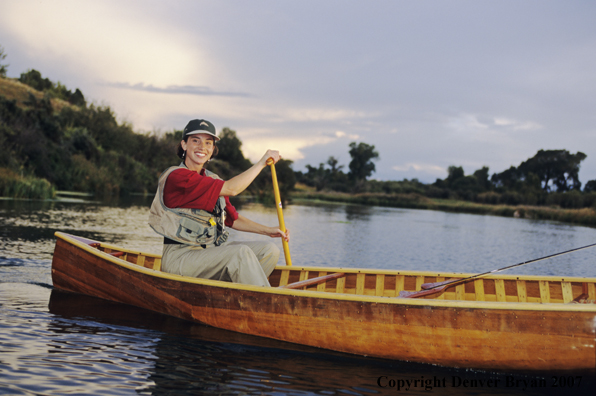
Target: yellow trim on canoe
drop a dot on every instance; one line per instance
(516, 306)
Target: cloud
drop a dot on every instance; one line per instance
(473, 126)
(517, 125)
(103, 39)
(176, 89)
(420, 167)
(289, 147)
(292, 146)
(256, 141)
(341, 134)
(318, 114)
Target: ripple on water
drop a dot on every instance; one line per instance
(90, 346)
(84, 345)
(45, 354)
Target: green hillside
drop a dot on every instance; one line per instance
(50, 140)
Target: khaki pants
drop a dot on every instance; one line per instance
(241, 262)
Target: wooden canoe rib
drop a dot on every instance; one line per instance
(498, 322)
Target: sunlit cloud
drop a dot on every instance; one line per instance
(103, 41)
(322, 114)
(176, 89)
(255, 142)
(290, 147)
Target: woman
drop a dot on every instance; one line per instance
(191, 210)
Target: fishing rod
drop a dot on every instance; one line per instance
(436, 287)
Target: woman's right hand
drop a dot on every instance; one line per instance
(273, 154)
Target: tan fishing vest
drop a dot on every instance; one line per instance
(189, 226)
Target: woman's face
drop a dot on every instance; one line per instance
(199, 149)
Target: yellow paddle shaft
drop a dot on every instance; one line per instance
(280, 215)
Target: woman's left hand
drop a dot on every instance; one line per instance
(277, 233)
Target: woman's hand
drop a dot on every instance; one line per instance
(247, 225)
(277, 233)
(273, 154)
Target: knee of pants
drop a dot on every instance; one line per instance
(245, 251)
(269, 258)
(272, 250)
(245, 268)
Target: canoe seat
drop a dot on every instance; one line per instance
(313, 281)
(97, 245)
(586, 297)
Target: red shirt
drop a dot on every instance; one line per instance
(189, 189)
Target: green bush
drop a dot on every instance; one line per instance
(16, 186)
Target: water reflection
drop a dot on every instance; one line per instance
(329, 235)
(173, 356)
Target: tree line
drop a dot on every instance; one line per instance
(550, 177)
(81, 147)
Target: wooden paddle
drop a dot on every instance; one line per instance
(280, 215)
(437, 287)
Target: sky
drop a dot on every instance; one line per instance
(429, 83)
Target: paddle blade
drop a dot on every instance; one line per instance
(427, 286)
(421, 293)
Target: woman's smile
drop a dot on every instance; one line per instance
(199, 149)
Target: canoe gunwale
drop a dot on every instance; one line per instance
(491, 305)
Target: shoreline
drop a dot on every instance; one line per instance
(584, 217)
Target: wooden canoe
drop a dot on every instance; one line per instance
(498, 322)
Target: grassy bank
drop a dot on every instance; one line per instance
(13, 185)
(12, 89)
(585, 216)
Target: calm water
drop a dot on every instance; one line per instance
(57, 343)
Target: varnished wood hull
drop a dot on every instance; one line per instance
(469, 334)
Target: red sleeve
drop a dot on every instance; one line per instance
(188, 189)
(232, 214)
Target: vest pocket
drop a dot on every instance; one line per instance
(194, 231)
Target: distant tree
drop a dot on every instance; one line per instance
(34, 79)
(464, 187)
(325, 178)
(556, 168)
(481, 176)
(548, 170)
(361, 165)
(77, 98)
(454, 173)
(230, 150)
(3, 68)
(316, 177)
(335, 178)
(332, 162)
(509, 179)
(590, 186)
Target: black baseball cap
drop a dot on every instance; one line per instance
(199, 126)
